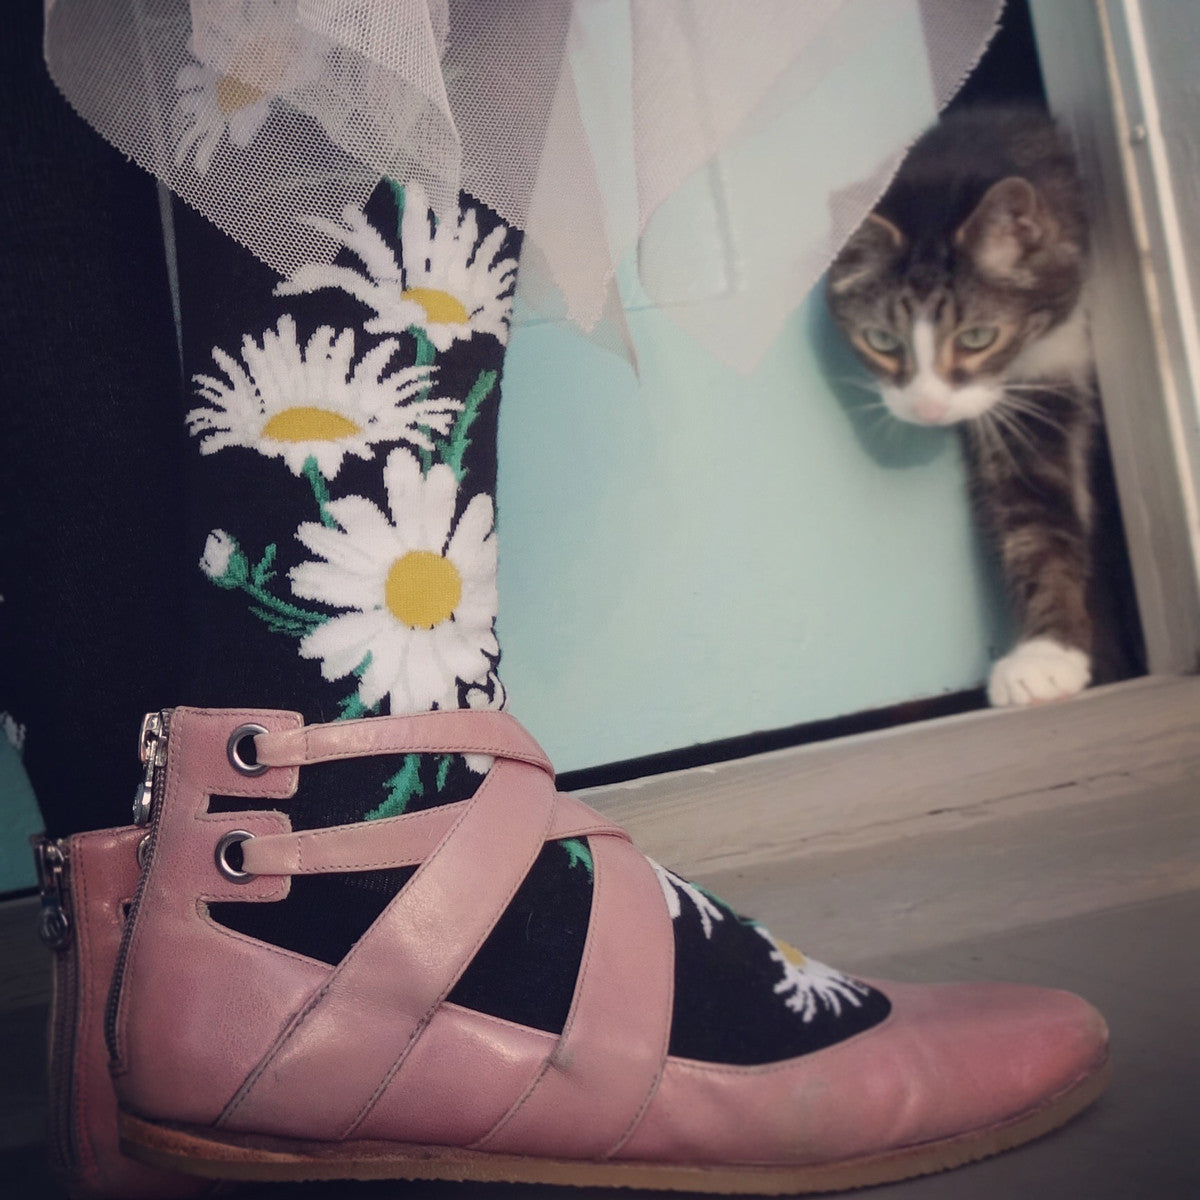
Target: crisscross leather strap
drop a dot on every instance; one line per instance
(402, 841)
(353, 1040)
(483, 732)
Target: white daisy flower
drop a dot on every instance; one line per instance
(673, 887)
(295, 404)
(810, 986)
(219, 550)
(212, 106)
(418, 587)
(489, 693)
(480, 696)
(450, 284)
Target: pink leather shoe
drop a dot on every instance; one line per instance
(237, 1059)
(87, 882)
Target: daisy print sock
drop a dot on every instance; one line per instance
(342, 428)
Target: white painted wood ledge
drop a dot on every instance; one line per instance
(953, 772)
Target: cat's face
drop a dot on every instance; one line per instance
(942, 327)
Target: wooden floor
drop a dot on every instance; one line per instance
(1059, 846)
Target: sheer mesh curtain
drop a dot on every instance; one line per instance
(266, 115)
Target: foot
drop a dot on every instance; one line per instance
(368, 1067)
(1037, 671)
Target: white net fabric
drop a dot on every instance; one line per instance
(583, 122)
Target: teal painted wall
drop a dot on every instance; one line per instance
(689, 553)
(696, 554)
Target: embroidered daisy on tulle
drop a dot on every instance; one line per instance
(212, 106)
(418, 589)
(809, 987)
(297, 403)
(450, 284)
(674, 889)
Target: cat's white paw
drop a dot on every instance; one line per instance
(1037, 671)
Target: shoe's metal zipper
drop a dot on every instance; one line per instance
(152, 750)
(147, 801)
(55, 930)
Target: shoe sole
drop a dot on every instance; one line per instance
(217, 1154)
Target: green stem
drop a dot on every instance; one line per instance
(353, 707)
(426, 353)
(320, 492)
(282, 607)
(279, 615)
(455, 447)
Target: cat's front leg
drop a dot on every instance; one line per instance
(1030, 499)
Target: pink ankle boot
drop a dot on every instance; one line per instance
(236, 1059)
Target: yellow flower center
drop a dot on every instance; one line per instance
(305, 423)
(423, 589)
(233, 93)
(441, 308)
(791, 954)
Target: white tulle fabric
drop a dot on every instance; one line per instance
(578, 121)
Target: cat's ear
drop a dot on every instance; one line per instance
(1008, 225)
(874, 244)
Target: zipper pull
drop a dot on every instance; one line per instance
(54, 926)
(151, 750)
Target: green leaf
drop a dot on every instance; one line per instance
(455, 446)
(281, 622)
(578, 854)
(399, 196)
(402, 787)
(262, 573)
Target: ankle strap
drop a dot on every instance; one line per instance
(456, 731)
(403, 841)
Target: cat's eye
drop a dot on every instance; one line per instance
(978, 337)
(881, 340)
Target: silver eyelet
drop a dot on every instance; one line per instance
(233, 748)
(235, 837)
(143, 849)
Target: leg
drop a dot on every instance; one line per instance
(1033, 499)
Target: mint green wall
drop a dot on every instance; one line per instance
(689, 553)
(696, 554)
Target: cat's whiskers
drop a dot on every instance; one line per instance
(1035, 396)
(993, 440)
(1014, 406)
(1008, 423)
(871, 386)
(1004, 432)
(882, 422)
(1050, 389)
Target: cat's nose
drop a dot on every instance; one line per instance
(930, 412)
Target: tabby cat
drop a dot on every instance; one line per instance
(963, 294)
